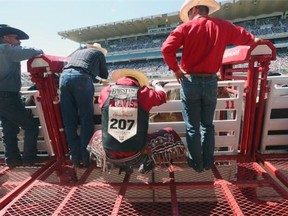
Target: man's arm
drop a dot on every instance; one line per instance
(20, 53)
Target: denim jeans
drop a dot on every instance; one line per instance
(199, 98)
(76, 101)
(13, 115)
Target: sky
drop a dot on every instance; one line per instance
(42, 19)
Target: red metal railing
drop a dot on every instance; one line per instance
(257, 59)
(44, 70)
(236, 185)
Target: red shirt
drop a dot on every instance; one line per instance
(147, 98)
(204, 40)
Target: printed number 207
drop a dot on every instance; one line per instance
(122, 124)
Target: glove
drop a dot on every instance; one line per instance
(157, 82)
(104, 81)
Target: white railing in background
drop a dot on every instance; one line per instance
(227, 131)
(275, 124)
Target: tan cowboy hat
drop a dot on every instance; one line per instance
(188, 4)
(8, 30)
(97, 46)
(138, 75)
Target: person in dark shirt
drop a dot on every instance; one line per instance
(76, 98)
(12, 110)
(123, 140)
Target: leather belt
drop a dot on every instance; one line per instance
(77, 69)
(200, 74)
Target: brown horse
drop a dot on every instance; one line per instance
(172, 94)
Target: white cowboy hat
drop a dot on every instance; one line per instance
(8, 30)
(97, 46)
(138, 75)
(188, 4)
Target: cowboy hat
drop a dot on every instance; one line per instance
(7, 30)
(188, 4)
(138, 75)
(97, 46)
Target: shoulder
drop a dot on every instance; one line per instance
(6, 46)
(222, 21)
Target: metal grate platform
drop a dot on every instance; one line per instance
(277, 164)
(230, 188)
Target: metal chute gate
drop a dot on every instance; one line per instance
(238, 184)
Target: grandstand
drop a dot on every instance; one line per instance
(136, 43)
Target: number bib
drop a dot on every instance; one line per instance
(123, 113)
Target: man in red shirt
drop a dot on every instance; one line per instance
(123, 140)
(203, 40)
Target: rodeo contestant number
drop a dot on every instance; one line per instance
(122, 124)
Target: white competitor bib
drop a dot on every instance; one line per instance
(123, 113)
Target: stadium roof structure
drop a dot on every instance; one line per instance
(233, 10)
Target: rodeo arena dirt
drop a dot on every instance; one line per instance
(250, 173)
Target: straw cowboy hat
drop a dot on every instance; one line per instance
(138, 75)
(97, 46)
(188, 4)
(8, 30)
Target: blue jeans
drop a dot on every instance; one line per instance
(76, 101)
(13, 115)
(199, 98)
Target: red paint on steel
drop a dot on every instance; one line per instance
(56, 109)
(264, 62)
(43, 69)
(174, 202)
(10, 196)
(252, 105)
(258, 63)
(121, 195)
(271, 162)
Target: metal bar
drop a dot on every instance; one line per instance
(276, 173)
(41, 86)
(252, 104)
(121, 194)
(184, 185)
(51, 169)
(25, 185)
(233, 77)
(72, 191)
(174, 202)
(260, 112)
(227, 193)
(276, 186)
(53, 119)
(272, 168)
(58, 117)
(230, 198)
(242, 69)
(3, 169)
(264, 157)
(246, 127)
